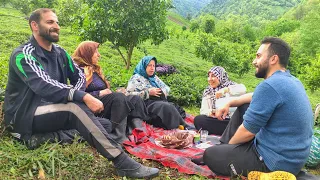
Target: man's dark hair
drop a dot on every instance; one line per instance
(36, 15)
(278, 47)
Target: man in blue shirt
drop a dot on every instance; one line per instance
(274, 132)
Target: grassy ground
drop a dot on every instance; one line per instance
(79, 161)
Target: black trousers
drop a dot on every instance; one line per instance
(139, 110)
(212, 125)
(94, 130)
(228, 159)
(164, 114)
(116, 108)
(120, 110)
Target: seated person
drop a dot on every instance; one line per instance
(117, 106)
(275, 132)
(154, 91)
(40, 100)
(212, 98)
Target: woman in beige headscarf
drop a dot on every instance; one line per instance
(117, 106)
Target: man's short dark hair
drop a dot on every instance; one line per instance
(278, 47)
(36, 15)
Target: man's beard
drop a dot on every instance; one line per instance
(46, 35)
(262, 71)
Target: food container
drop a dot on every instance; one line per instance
(196, 139)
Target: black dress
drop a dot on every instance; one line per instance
(118, 108)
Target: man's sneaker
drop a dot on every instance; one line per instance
(198, 161)
(275, 175)
(37, 140)
(140, 172)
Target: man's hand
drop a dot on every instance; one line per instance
(105, 92)
(94, 104)
(155, 92)
(222, 112)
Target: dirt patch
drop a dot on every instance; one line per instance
(177, 21)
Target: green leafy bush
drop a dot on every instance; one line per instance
(312, 78)
(235, 57)
(185, 90)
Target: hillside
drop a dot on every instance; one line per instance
(254, 9)
(178, 50)
(176, 19)
(79, 161)
(189, 8)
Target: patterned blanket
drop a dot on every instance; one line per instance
(143, 145)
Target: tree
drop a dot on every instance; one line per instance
(280, 26)
(4, 2)
(235, 29)
(208, 24)
(204, 23)
(312, 78)
(235, 57)
(125, 23)
(310, 32)
(67, 10)
(27, 6)
(194, 26)
(189, 17)
(184, 28)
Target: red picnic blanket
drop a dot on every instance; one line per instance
(142, 144)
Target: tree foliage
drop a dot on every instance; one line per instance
(236, 29)
(312, 78)
(125, 23)
(256, 10)
(204, 23)
(4, 2)
(27, 6)
(235, 57)
(280, 26)
(67, 10)
(310, 32)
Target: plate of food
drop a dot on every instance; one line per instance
(175, 140)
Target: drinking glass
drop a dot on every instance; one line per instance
(203, 135)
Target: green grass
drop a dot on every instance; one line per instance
(75, 161)
(178, 19)
(80, 161)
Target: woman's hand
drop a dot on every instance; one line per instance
(222, 92)
(212, 113)
(122, 90)
(219, 94)
(105, 92)
(155, 92)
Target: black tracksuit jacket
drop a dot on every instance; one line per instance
(29, 82)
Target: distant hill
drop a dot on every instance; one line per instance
(302, 10)
(256, 9)
(177, 19)
(189, 7)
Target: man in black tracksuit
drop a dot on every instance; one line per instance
(38, 98)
